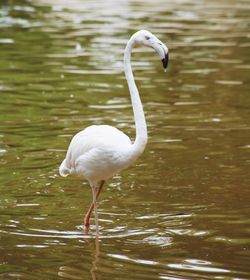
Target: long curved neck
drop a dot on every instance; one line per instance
(140, 122)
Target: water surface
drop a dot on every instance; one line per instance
(182, 211)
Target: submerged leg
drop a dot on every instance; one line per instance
(88, 214)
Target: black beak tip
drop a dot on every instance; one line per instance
(165, 61)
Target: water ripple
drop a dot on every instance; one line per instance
(182, 211)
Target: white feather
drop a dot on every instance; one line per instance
(97, 153)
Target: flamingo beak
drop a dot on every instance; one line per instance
(165, 61)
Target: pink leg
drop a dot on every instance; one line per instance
(88, 214)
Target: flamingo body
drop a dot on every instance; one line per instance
(97, 153)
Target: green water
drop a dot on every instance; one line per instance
(183, 210)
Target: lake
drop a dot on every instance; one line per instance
(182, 211)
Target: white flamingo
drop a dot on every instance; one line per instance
(100, 151)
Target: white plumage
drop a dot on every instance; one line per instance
(97, 153)
(100, 151)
